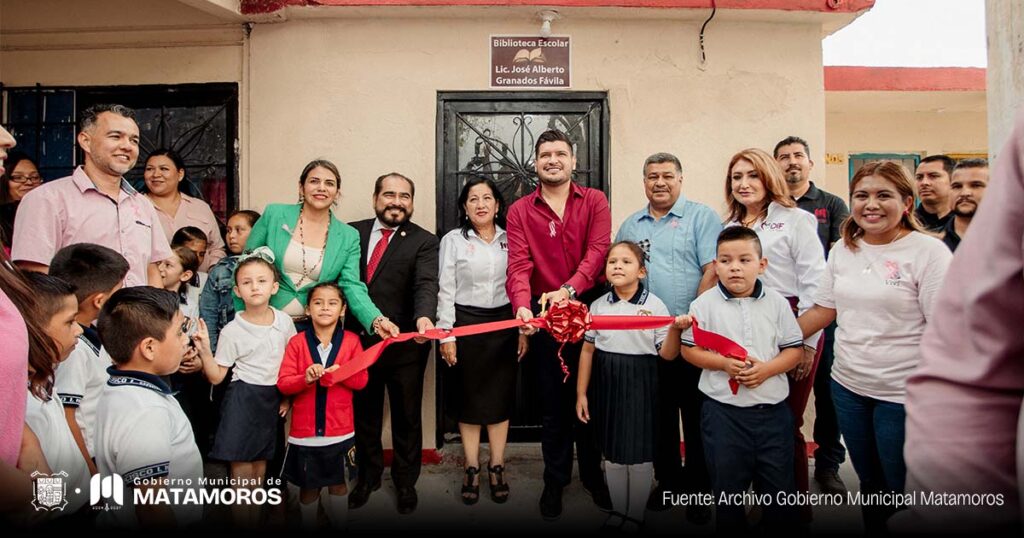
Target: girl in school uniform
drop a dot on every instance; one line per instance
(321, 443)
(617, 387)
(254, 343)
(180, 274)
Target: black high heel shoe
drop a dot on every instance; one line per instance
(470, 492)
(499, 489)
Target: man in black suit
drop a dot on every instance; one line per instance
(399, 266)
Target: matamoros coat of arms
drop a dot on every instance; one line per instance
(49, 490)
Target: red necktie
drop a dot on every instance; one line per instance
(378, 253)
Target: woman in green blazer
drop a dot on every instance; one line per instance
(311, 245)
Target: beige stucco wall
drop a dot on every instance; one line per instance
(369, 97)
(864, 122)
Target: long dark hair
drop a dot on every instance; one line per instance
(42, 350)
(499, 215)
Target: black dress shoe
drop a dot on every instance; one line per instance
(551, 502)
(360, 494)
(407, 500)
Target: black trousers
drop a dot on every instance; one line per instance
(561, 428)
(750, 446)
(680, 380)
(400, 370)
(830, 452)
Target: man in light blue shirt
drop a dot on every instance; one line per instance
(679, 237)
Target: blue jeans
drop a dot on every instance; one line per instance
(874, 432)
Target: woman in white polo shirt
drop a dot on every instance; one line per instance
(881, 282)
(755, 189)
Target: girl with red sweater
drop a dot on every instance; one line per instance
(321, 443)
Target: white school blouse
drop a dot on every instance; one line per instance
(471, 272)
(255, 351)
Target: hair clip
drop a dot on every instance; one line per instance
(264, 253)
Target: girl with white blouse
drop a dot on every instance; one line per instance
(480, 383)
(758, 198)
(880, 286)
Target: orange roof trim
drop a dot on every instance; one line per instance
(823, 6)
(904, 79)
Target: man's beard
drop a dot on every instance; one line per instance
(794, 178)
(392, 222)
(965, 214)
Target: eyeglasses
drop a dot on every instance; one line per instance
(32, 178)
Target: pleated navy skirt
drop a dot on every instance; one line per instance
(248, 423)
(623, 395)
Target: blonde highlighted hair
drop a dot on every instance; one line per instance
(900, 177)
(772, 177)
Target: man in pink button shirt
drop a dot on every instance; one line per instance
(964, 400)
(95, 204)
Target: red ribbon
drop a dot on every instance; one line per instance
(721, 345)
(567, 321)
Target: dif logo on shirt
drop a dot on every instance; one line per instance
(106, 488)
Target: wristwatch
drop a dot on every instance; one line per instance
(571, 290)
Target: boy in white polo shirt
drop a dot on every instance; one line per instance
(96, 272)
(141, 432)
(748, 436)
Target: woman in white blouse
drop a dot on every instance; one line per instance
(755, 189)
(881, 283)
(481, 378)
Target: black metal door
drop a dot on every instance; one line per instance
(493, 134)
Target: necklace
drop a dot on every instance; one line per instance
(302, 241)
(868, 266)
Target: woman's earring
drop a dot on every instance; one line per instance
(302, 199)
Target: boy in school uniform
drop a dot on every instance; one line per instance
(748, 435)
(141, 432)
(96, 272)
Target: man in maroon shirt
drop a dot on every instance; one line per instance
(557, 240)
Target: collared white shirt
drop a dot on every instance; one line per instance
(796, 263)
(78, 382)
(48, 422)
(324, 352)
(142, 433)
(471, 273)
(375, 236)
(633, 342)
(763, 324)
(254, 350)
